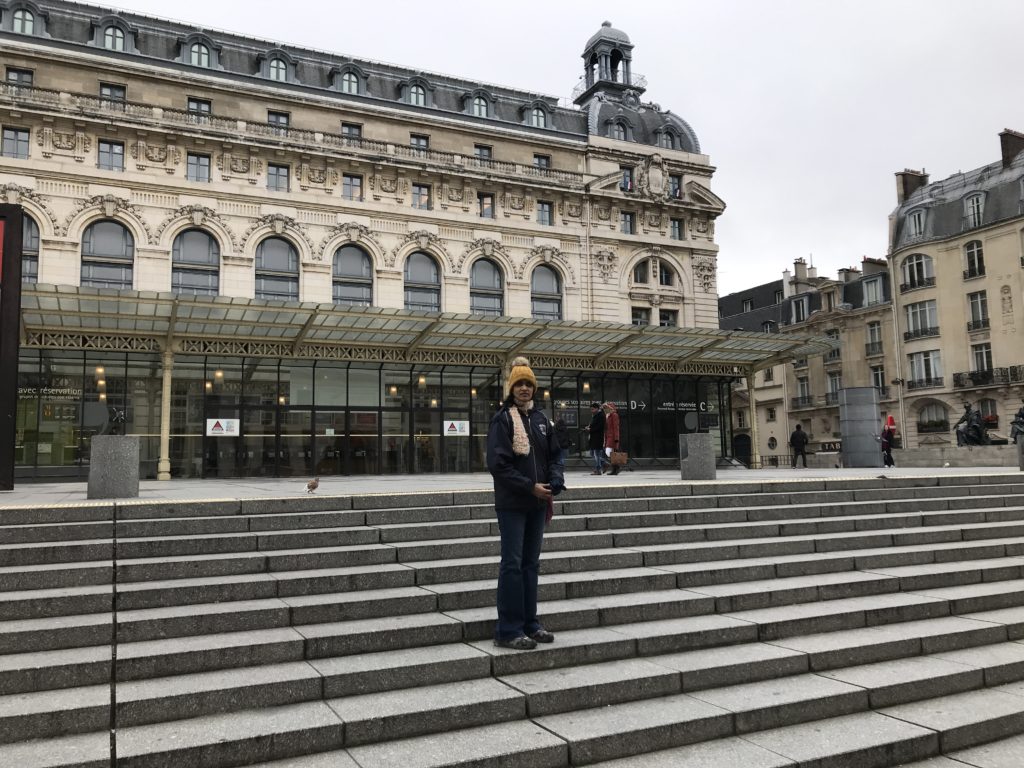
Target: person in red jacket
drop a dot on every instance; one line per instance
(611, 431)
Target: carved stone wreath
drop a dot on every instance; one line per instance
(198, 215)
(607, 261)
(704, 272)
(280, 224)
(110, 205)
(354, 232)
(486, 245)
(13, 193)
(423, 239)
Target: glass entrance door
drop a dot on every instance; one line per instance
(330, 443)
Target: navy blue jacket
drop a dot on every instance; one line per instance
(515, 476)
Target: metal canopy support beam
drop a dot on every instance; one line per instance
(701, 350)
(600, 359)
(303, 332)
(423, 336)
(522, 344)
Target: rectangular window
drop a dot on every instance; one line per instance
(803, 388)
(544, 213)
(668, 318)
(482, 152)
(542, 161)
(111, 155)
(799, 309)
(15, 143)
(277, 177)
(830, 301)
(922, 318)
(834, 383)
(975, 210)
(485, 204)
(352, 187)
(981, 354)
(779, 296)
(769, 375)
(741, 419)
(197, 167)
(878, 376)
(419, 141)
(872, 292)
(19, 77)
(627, 223)
(641, 316)
(421, 196)
(874, 330)
(626, 184)
(279, 121)
(770, 414)
(352, 130)
(675, 229)
(916, 220)
(979, 307)
(926, 367)
(199, 110)
(112, 96)
(675, 186)
(748, 305)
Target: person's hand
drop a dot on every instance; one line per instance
(542, 491)
(557, 488)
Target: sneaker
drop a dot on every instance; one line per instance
(521, 643)
(543, 636)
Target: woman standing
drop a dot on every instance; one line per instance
(611, 432)
(888, 437)
(522, 456)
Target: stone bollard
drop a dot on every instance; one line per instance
(114, 467)
(696, 456)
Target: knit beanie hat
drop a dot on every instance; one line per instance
(521, 371)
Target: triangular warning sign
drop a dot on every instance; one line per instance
(452, 427)
(217, 427)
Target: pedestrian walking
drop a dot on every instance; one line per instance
(798, 442)
(522, 456)
(563, 439)
(595, 438)
(611, 432)
(887, 440)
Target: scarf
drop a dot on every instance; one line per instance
(520, 440)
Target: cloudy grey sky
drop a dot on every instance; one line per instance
(806, 107)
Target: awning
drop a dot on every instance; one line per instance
(70, 317)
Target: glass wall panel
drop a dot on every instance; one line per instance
(485, 398)
(259, 382)
(363, 440)
(455, 391)
(330, 442)
(663, 412)
(295, 382)
(395, 439)
(295, 449)
(565, 401)
(638, 432)
(259, 455)
(188, 394)
(426, 430)
(143, 388)
(426, 388)
(456, 447)
(103, 397)
(26, 439)
(395, 384)
(332, 384)
(363, 385)
(60, 409)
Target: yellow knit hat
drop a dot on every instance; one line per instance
(521, 372)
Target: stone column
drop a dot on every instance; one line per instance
(755, 456)
(163, 467)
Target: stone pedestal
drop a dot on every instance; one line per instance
(114, 467)
(696, 457)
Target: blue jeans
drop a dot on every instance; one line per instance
(599, 458)
(522, 533)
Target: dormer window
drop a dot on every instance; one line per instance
(113, 38)
(480, 106)
(199, 55)
(915, 220)
(538, 118)
(665, 141)
(974, 209)
(418, 96)
(278, 70)
(349, 83)
(617, 131)
(24, 22)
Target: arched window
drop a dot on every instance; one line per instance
(974, 256)
(642, 272)
(545, 294)
(108, 255)
(418, 96)
(113, 38)
(199, 55)
(350, 83)
(29, 250)
(195, 264)
(933, 417)
(486, 289)
(989, 412)
(278, 70)
(277, 270)
(617, 131)
(918, 271)
(666, 140)
(353, 276)
(538, 118)
(422, 283)
(24, 22)
(480, 106)
(666, 275)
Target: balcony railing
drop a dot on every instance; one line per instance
(973, 272)
(883, 393)
(921, 333)
(932, 426)
(833, 356)
(986, 378)
(978, 325)
(913, 285)
(831, 398)
(935, 381)
(801, 363)
(873, 348)
(804, 401)
(149, 117)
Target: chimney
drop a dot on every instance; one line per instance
(908, 182)
(1012, 144)
(800, 269)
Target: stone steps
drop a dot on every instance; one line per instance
(737, 624)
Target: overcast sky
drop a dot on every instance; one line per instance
(807, 108)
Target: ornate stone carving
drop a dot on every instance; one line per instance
(166, 156)
(653, 220)
(280, 224)
(653, 181)
(573, 210)
(547, 254)
(320, 178)
(354, 233)
(241, 167)
(485, 245)
(455, 194)
(53, 142)
(12, 193)
(1006, 304)
(607, 262)
(198, 215)
(424, 240)
(111, 206)
(704, 272)
(603, 213)
(516, 202)
(388, 187)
